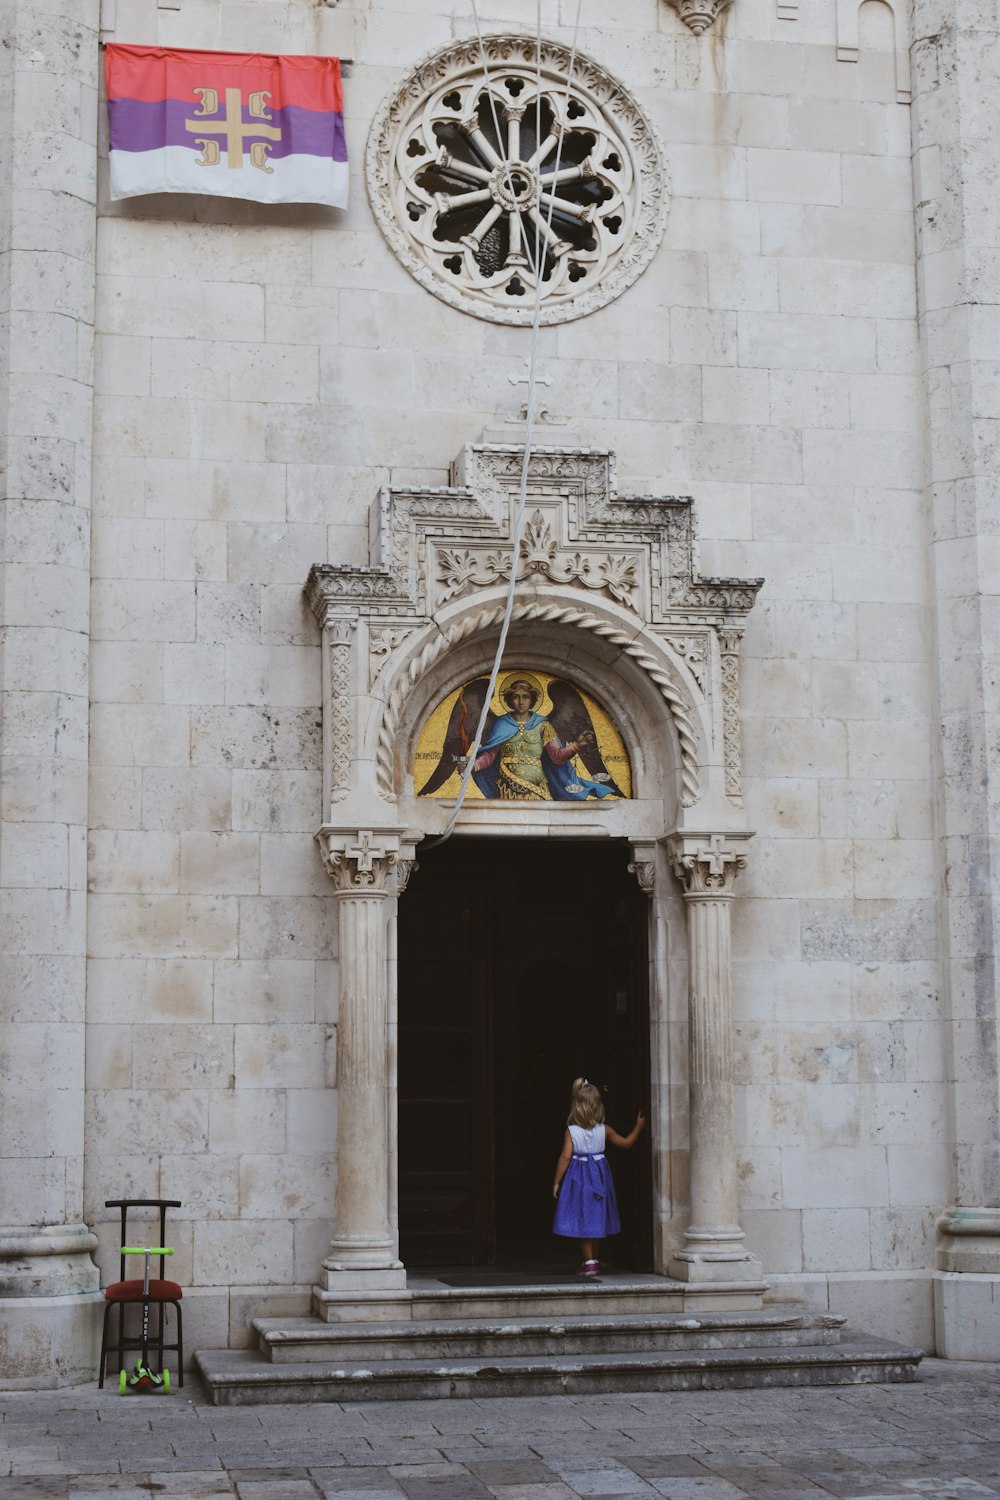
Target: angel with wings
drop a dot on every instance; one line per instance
(524, 755)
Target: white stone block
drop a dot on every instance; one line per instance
(283, 1055)
(276, 799)
(139, 734)
(207, 1183)
(126, 671)
(888, 1304)
(127, 860)
(835, 1176)
(181, 799)
(250, 1120)
(793, 176)
(287, 1187)
(219, 863)
(811, 341)
(835, 1239)
(262, 990)
(183, 1057)
(741, 395)
(242, 1252)
(775, 1237)
(966, 1316)
(858, 234)
(163, 926)
(193, 674)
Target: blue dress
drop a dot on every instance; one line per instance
(587, 1208)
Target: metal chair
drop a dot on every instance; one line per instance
(123, 1292)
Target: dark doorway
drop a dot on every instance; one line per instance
(522, 965)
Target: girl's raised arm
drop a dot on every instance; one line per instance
(625, 1141)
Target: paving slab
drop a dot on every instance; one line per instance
(936, 1437)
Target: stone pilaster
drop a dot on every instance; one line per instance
(956, 123)
(713, 1249)
(362, 1253)
(49, 65)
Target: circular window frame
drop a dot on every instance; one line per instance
(410, 112)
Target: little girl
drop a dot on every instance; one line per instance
(586, 1207)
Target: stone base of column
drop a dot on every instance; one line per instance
(967, 1285)
(713, 1255)
(691, 1267)
(50, 1306)
(373, 1296)
(362, 1254)
(50, 1341)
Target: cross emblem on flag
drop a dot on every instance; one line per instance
(231, 127)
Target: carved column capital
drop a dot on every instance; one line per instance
(643, 867)
(359, 863)
(698, 15)
(707, 864)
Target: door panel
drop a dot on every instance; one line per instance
(522, 965)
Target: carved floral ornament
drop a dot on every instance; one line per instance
(461, 569)
(482, 190)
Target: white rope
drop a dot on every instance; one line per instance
(522, 503)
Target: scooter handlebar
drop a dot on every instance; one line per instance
(146, 1250)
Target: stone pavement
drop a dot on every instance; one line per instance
(939, 1437)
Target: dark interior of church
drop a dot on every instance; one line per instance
(522, 965)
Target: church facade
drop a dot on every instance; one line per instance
(274, 472)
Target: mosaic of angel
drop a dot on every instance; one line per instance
(544, 741)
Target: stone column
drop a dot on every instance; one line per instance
(713, 1250)
(49, 1295)
(362, 1254)
(956, 125)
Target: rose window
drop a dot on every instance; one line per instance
(486, 189)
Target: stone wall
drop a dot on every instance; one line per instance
(260, 372)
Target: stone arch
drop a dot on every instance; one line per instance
(662, 670)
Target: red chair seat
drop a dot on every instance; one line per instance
(131, 1291)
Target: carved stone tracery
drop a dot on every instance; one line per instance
(480, 189)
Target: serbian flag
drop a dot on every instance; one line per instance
(237, 124)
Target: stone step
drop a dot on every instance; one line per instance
(298, 1340)
(235, 1377)
(638, 1296)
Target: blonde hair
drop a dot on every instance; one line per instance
(586, 1107)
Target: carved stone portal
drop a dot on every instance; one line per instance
(610, 611)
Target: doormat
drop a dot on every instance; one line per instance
(488, 1278)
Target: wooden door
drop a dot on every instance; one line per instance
(522, 965)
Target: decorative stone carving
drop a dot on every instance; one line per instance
(707, 867)
(381, 644)
(620, 568)
(729, 648)
(462, 569)
(340, 636)
(698, 15)
(359, 863)
(463, 188)
(643, 867)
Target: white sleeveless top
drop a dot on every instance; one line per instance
(590, 1142)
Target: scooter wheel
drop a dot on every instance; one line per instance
(122, 1382)
(165, 1377)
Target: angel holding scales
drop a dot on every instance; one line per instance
(525, 755)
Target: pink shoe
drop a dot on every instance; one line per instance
(589, 1269)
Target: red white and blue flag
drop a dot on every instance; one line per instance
(237, 124)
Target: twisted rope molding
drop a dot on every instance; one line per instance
(551, 614)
